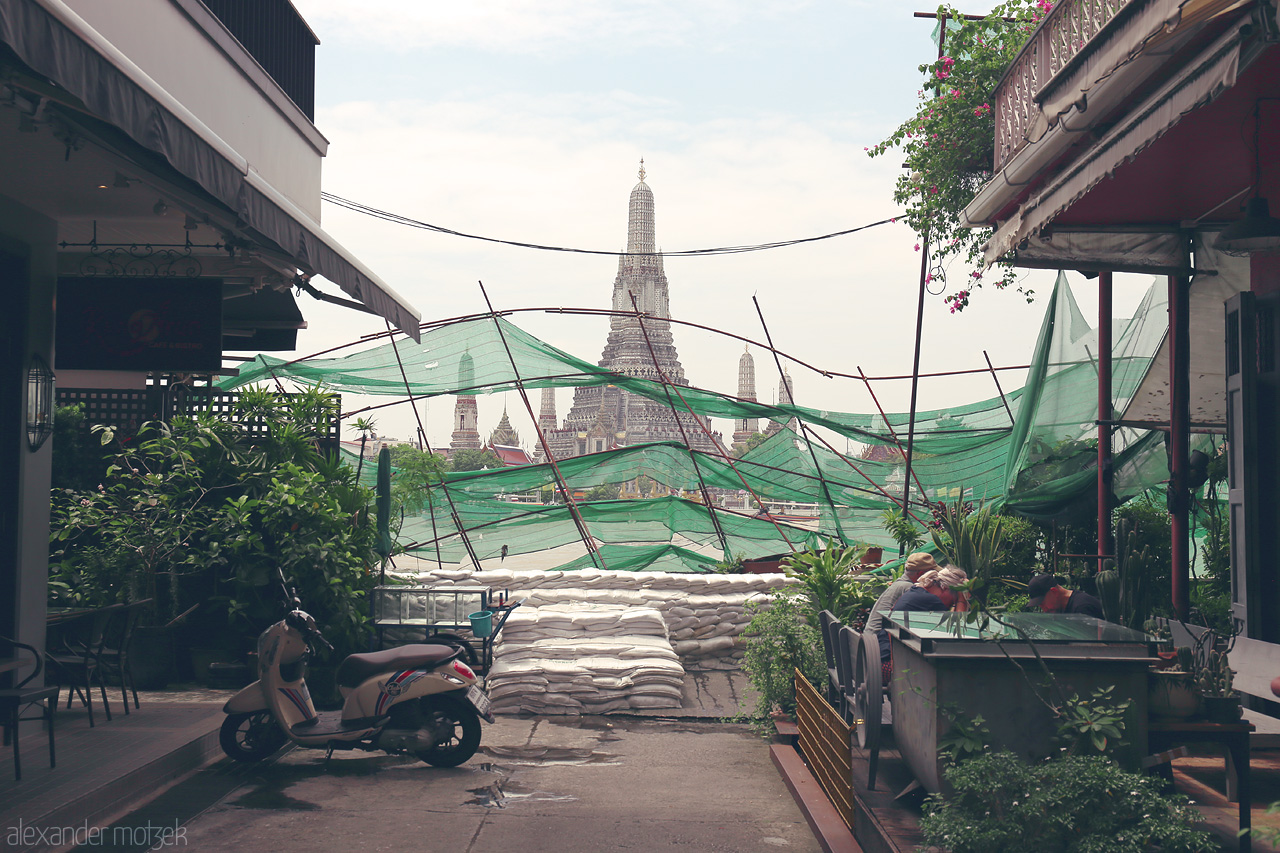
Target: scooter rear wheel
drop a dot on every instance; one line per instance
(457, 728)
(251, 737)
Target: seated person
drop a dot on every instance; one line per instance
(917, 564)
(935, 590)
(1046, 595)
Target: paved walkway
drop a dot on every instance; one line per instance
(107, 771)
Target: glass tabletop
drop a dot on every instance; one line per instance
(1040, 627)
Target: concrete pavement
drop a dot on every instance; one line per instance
(539, 785)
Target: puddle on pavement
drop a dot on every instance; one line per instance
(275, 799)
(530, 755)
(503, 792)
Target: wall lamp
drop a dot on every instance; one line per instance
(40, 399)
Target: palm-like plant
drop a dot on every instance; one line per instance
(971, 540)
(828, 582)
(364, 426)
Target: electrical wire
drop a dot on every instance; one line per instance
(398, 219)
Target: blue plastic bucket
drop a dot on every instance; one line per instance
(481, 623)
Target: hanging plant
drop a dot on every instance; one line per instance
(948, 145)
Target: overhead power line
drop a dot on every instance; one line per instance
(686, 253)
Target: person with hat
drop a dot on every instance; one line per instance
(934, 590)
(916, 565)
(1048, 596)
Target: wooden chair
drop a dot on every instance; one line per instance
(75, 662)
(113, 656)
(14, 699)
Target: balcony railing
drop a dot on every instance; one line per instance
(276, 35)
(1062, 37)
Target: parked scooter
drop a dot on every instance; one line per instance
(418, 699)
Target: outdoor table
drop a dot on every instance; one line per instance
(1233, 737)
(943, 667)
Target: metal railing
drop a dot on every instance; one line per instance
(1062, 37)
(279, 39)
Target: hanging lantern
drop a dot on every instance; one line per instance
(39, 402)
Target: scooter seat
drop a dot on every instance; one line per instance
(358, 668)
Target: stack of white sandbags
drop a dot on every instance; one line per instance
(584, 659)
(705, 614)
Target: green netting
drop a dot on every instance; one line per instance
(1033, 451)
(492, 526)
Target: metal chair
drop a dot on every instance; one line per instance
(113, 656)
(14, 699)
(825, 620)
(845, 668)
(76, 662)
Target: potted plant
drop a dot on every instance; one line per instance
(1214, 680)
(1171, 692)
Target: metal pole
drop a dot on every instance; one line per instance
(915, 368)
(697, 470)
(996, 379)
(1105, 474)
(597, 559)
(1179, 445)
(453, 510)
(892, 432)
(808, 443)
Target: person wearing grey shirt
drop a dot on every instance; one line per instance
(916, 565)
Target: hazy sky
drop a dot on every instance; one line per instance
(527, 120)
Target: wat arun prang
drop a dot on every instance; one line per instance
(605, 417)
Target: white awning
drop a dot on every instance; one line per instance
(1098, 250)
(1199, 81)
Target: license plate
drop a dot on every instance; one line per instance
(480, 700)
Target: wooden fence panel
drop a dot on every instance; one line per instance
(825, 742)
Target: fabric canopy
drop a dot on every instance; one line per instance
(1212, 71)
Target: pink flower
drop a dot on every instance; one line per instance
(917, 247)
(933, 190)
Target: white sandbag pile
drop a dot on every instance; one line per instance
(705, 614)
(584, 659)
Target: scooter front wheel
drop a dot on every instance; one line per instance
(456, 727)
(251, 737)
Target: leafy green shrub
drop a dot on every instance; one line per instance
(903, 530)
(190, 513)
(1069, 804)
(1022, 552)
(830, 585)
(779, 640)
